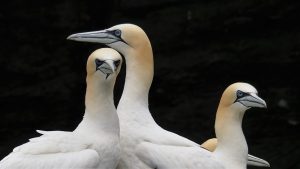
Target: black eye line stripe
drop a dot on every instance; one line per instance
(252, 101)
(99, 62)
(112, 32)
(117, 63)
(244, 95)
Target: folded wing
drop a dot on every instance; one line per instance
(52, 150)
(176, 157)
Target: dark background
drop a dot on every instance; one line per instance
(200, 47)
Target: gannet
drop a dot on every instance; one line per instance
(145, 144)
(211, 145)
(232, 149)
(94, 144)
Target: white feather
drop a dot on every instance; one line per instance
(94, 144)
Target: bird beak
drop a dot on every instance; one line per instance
(103, 36)
(252, 100)
(255, 161)
(107, 67)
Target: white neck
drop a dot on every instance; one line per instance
(232, 149)
(133, 104)
(100, 112)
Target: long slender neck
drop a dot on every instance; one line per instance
(232, 147)
(100, 112)
(139, 75)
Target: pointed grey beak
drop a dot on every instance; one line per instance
(103, 36)
(255, 161)
(107, 67)
(252, 100)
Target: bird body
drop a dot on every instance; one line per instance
(232, 149)
(145, 144)
(211, 145)
(94, 144)
(137, 126)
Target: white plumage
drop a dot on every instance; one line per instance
(211, 145)
(145, 145)
(94, 144)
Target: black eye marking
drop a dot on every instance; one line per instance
(118, 32)
(98, 63)
(240, 94)
(117, 63)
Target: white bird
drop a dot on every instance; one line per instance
(144, 144)
(232, 149)
(94, 144)
(212, 143)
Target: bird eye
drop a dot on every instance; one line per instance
(117, 32)
(117, 63)
(98, 62)
(239, 93)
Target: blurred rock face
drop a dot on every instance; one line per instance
(200, 47)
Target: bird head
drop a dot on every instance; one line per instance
(241, 96)
(104, 62)
(121, 37)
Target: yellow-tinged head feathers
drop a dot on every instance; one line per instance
(133, 43)
(232, 147)
(243, 94)
(131, 34)
(107, 61)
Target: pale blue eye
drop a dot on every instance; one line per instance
(117, 32)
(239, 93)
(98, 62)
